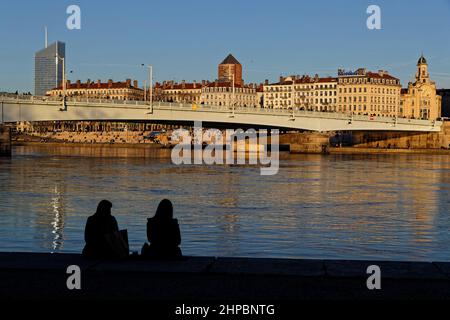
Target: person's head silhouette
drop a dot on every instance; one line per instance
(165, 210)
(104, 208)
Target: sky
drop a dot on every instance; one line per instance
(186, 40)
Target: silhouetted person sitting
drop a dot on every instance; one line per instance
(100, 229)
(163, 233)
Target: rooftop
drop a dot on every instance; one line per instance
(230, 60)
(100, 85)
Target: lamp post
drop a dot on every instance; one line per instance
(293, 99)
(64, 78)
(234, 95)
(145, 90)
(150, 78)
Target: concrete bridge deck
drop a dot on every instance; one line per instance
(34, 109)
(41, 276)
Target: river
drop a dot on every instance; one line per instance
(394, 207)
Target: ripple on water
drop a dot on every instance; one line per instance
(337, 206)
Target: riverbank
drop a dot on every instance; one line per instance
(331, 150)
(41, 276)
(94, 145)
(359, 150)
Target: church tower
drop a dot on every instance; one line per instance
(420, 100)
(422, 70)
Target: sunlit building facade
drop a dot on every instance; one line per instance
(368, 93)
(101, 90)
(302, 93)
(420, 100)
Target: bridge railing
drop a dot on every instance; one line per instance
(215, 108)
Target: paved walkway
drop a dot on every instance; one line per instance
(43, 276)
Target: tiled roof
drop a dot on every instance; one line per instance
(95, 85)
(226, 84)
(304, 80)
(180, 86)
(380, 76)
(230, 60)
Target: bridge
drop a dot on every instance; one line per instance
(29, 108)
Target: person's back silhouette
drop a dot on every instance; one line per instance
(98, 227)
(163, 233)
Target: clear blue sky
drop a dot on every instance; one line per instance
(187, 39)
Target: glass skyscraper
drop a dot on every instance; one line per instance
(48, 70)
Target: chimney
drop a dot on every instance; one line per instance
(316, 77)
(135, 83)
(266, 82)
(99, 82)
(78, 84)
(128, 82)
(110, 82)
(88, 82)
(195, 84)
(203, 83)
(281, 79)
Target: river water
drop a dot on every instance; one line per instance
(393, 207)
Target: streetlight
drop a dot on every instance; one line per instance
(233, 97)
(293, 99)
(145, 90)
(150, 78)
(64, 78)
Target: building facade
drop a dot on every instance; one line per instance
(228, 90)
(368, 93)
(98, 90)
(224, 94)
(184, 92)
(302, 93)
(420, 100)
(48, 68)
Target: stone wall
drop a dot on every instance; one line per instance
(133, 137)
(306, 142)
(403, 140)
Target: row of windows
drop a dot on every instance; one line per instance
(317, 101)
(222, 89)
(109, 91)
(364, 90)
(364, 80)
(341, 90)
(380, 108)
(237, 97)
(364, 99)
(302, 94)
(287, 88)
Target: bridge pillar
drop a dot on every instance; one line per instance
(5, 141)
(306, 142)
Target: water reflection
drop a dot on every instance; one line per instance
(58, 220)
(337, 206)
